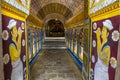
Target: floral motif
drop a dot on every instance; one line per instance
(23, 26)
(24, 58)
(25, 73)
(113, 62)
(94, 43)
(93, 59)
(95, 26)
(101, 5)
(6, 58)
(5, 35)
(115, 35)
(91, 74)
(23, 42)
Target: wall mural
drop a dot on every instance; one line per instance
(96, 5)
(86, 39)
(23, 5)
(75, 42)
(34, 43)
(30, 44)
(81, 45)
(105, 36)
(40, 40)
(86, 56)
(14, 53)
(70, 34)
(73, 33)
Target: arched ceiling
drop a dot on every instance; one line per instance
(54, 16)
(55, 8)
(66, 8)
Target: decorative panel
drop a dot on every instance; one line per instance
(105, 36)
(14, 48)
(22, 5)
(96, 5)
(86, 52)
(80, 52)
(30, 44)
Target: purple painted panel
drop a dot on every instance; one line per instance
(105, 36)
(14, 53)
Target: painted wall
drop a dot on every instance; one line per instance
(86, 51)
(34, 43)
(14, 53)
(96, 5)
(22, 5)
(105, 36)
(30, 49)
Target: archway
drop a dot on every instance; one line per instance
(54, 28)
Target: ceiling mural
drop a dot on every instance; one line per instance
(66, 8)
(55, 8)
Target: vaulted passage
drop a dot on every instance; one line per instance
(54, 28)
(59, 39)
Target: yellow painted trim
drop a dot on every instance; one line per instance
(36, 21)
(75, 25)
(11, 11)
(31, 25)
(10, 14)
(90, 46)
(27, 7)
(107, 12)
(97, 4)
(107, 15)
(75, 19)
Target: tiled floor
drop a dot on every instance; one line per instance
(55, 65)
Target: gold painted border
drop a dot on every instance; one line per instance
(37, 22)
(74, 20)
(27, 6)
(95, 4)
(107, 12)
(11, 11)
(90, 46)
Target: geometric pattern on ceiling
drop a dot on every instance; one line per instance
(55, 8)
(67, 8)
(54, 16)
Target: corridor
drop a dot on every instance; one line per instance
(59, 39)
(55, 64)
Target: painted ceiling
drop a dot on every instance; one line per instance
(66, 8)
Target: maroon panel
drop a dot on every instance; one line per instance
(7, 39)
(113, 44)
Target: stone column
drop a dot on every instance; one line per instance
(1, 51)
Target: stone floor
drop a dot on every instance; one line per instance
(54, 44)
(55, 64)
